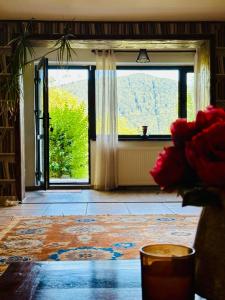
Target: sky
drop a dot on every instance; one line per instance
(170, 74)
(66, 76)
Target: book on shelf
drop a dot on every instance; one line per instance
(7, 170)
(6, 117)
(220, 34)
(221, 103)
(7, 141)
(5, 64)
(7, 189)
(220, 64)
(220, 88)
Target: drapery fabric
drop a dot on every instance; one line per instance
(202, 76)
(105, 177)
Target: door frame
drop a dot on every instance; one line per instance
(91, 120)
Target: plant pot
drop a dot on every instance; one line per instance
(210, 253)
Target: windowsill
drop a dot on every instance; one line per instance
(147, 138)
(142, 139)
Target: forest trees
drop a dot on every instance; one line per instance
(143, 100)
(68, 135)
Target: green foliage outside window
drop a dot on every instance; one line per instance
(69, 135)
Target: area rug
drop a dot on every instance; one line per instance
(90, 237)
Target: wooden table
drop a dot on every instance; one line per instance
(77, 280)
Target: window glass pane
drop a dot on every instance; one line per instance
(190, 97)
(147, 97)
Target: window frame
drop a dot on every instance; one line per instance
(182, 98)
(91, 93)
(91, 109)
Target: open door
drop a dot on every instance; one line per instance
(42, 124)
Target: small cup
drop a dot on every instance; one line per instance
(167, 272)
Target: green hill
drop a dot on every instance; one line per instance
(143, 100)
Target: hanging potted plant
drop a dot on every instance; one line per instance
(23, 54)
(195, 167)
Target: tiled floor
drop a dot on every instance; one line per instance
(95, 196)
(89, 202)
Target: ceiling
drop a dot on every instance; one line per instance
(115, 10)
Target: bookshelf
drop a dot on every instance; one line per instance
(7, 136)
(220, 76)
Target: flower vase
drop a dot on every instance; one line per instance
(210, 253)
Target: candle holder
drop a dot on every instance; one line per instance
(144, 131)
(167, 272)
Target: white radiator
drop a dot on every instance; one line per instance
(134, 165)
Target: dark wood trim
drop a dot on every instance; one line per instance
(112, 22)
(147, 36)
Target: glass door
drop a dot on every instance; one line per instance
(42, 124)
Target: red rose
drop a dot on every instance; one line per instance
(206, 154)
(182, 131)
(170, 167)
(209, 116)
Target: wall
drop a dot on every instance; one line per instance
(135, 159)
(132, 155)
(29, 125)
(129, 30)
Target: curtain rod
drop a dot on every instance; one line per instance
(136, 51)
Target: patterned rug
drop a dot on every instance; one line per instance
(90, 237)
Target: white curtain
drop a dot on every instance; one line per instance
(202, 76)
(105, 177)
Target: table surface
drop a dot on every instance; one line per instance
(82, 280)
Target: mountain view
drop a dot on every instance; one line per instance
(143, 99)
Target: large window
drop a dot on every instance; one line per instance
(147, 96)
(153, 97)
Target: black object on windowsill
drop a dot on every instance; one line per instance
(144, 131)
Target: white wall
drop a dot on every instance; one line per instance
(135, 160)
(84, 57)
(29, 125)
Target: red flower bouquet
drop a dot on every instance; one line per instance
(195, 164)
